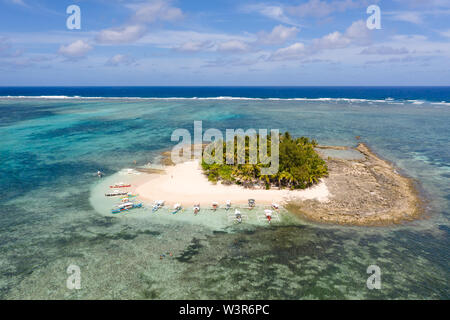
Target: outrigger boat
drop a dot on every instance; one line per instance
(176, 208)
(116, 193)
(120, 185)
(228, 205)
(214, 206)
(275, 206)
(196, 208)
(238, 215)
(268, 214)
(251, 203)
(126, 206)
(158, 205)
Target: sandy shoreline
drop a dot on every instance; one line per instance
(185, 183)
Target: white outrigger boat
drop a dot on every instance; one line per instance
(275, 206)
(238, 215)
(120, 185)
(268, 214)
(157, 205)
(116, 193)
(126, 206)
(176, 208)
(196, 208)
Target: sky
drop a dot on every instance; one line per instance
(224, 42)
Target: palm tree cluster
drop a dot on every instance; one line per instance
(300, 166)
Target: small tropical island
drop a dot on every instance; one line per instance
(311, 183)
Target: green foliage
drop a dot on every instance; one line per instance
(299, 165)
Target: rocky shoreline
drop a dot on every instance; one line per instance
(367, 192)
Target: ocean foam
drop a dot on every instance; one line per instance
(229, 98)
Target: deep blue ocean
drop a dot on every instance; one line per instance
(434, 94)
(54, 139)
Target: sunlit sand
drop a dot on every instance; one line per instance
(185, 183)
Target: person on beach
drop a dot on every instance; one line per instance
(99, 174)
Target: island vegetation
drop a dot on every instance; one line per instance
(300, 166)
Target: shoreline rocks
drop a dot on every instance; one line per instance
(367, 192)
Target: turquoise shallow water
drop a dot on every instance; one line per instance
(50, 150)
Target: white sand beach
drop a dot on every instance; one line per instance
(186, 184)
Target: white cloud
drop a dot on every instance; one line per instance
(6, 49)
(311, 8)
(228, 43)
(407, 59)
(191, 41)
(145, 13)
(294, 51)
(314, 8)
(19, 2)
(234, 62)
(409, 37)
(334, 40)
(233, 46)
(279, 35)
(77, 49)
(320, 8)
(270, 11)
(156, 10)
(427, 4)
(445, 33)
(4, 44)
(406, 16)
(124, 34)
(357, 33)
(195, 46)
(384, 50)
(120, 59)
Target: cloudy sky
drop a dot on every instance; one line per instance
(225, 42)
